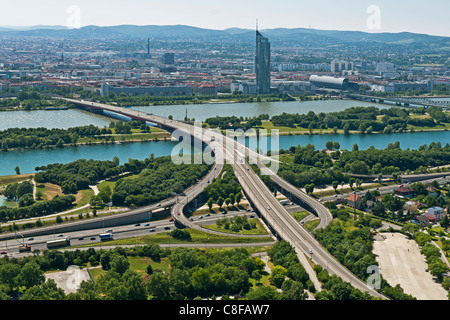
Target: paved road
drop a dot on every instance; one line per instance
(385, 190)
(91, 236)
(269, 207)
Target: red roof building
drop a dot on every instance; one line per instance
(404, 191)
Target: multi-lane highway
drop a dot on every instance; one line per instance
(91, 236)
(257, 192)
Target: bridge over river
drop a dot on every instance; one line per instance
(402, 101)
(284, 225)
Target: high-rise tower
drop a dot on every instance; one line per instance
(262, 63)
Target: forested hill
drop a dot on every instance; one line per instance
(182, 32)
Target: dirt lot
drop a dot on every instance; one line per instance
(402, 263)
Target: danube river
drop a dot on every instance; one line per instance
(29, 159)
(200, 112)
(64, 119)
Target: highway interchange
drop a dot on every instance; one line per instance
(281, 221)
(282, 224)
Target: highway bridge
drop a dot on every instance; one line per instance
(275, 214)
(402, 101)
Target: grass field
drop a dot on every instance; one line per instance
(5, 180)
(83, 197)
(49, 190)
(198, 237)
(300, 215)
(259, 230)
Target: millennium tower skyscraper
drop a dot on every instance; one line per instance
(262, 63)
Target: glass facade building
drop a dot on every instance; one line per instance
(262, 63)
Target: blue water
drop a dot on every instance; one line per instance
(200, 112)
(379, 141)
(59, 119)
(29, 159)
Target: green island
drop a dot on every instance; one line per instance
(64, 187)
(354, 120)
(42, 138)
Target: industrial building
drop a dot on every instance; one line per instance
(329, 82)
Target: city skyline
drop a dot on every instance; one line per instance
(367, 16)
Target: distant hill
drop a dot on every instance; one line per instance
(178, 32)
(28, 28)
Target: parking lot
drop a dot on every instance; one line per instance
(401, 262)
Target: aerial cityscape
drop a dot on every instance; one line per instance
(237, 164)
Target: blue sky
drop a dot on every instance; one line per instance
(430, 17)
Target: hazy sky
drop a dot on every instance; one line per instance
(431, 17)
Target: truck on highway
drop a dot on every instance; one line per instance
(106, 236)
(58, 243)
(25, 248)
(284, 202)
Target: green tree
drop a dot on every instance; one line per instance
(210, 203)
(238, 198)
(158, 286)
(26, 200)
(437, 268)
(293, 290)
(119, 264)
(135, 286)
(264, 293)
(8, 275)
(24, 188)
(31, 275)
(335, 185)
(232, 198)
(220, 201)
(346, 128)
(201, 281)
(45, 291)
(277, 276)
(329, 145)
